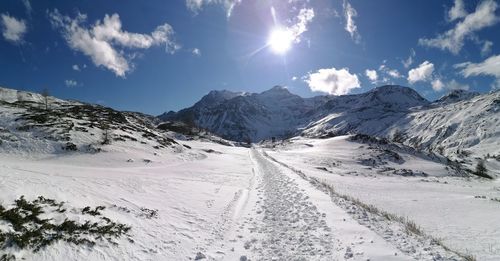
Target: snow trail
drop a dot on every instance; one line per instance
(287, 218)
(291, 225)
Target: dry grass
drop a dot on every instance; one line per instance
(409, 225)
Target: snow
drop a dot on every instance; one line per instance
(462, 126)
(288, 200)
(190, 193)
(222, 205)
(458, 210)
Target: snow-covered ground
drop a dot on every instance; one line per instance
(218, 202)
(194, 196)
(461, 211)
(194, 193)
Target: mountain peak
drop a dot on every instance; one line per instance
(398, 95)
(392, 88)
(456, 96)
(277, 89)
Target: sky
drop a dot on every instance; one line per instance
(154, 56)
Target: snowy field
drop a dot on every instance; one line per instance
(458, 210)
(192, 191)
(215, 202)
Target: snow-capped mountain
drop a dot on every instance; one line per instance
(279, 113)
(249, 117)
(368, 113)
(455, 96)
(458, 122)
(457, 125)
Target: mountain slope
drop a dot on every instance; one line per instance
(457, 125)
(279, 113)
(248, 117)
(27, 127)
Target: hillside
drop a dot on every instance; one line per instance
(28, 127)
(461, 125)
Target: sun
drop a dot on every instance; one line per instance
(280, 40)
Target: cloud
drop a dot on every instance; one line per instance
(394, 73)
(304, 17)
(106, 43)
(454, 85)
(28, 7)
(70, 83)
(437, 85)
(489, 67)
(333, 81)
(196, 52)
(13, 30)
(457, 11)
(76, 67)
(496, 85)
(294, 78)
(486, 49)
(372, 75)
(408, 62)
(196, 6)
(350, 25)
(422, 73)
(390, 72)
(453, 40)
(299, 24)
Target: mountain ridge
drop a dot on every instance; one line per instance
(280, 111)
(449, 126)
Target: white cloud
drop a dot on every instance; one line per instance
(70, 83)
(422, 73)
(486, 49)
(489, 67)
(408, 62)
(437, 85)
(333, 81)
(350, 24)
(496, 85)
(454, 85)
(196, 6)
(453, 40)
(372, 75)
(457, 11)
(299, 24)
(28, 7)
(76, 67)
(13, 30)
(390, 72)
(196, 52)
(294, 78)
(394, 73)
(304, 17)
(101, 41)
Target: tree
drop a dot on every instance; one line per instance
(45, 94)
(106, 134)
(481, 169)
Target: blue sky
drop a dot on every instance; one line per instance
(154, 56)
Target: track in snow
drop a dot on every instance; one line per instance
(289, 225)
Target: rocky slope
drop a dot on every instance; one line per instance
(32, 124)
(461, 125)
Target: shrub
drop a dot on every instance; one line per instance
(481, 170)
(29, 231)
(69, 146)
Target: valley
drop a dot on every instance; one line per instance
(182, 192)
